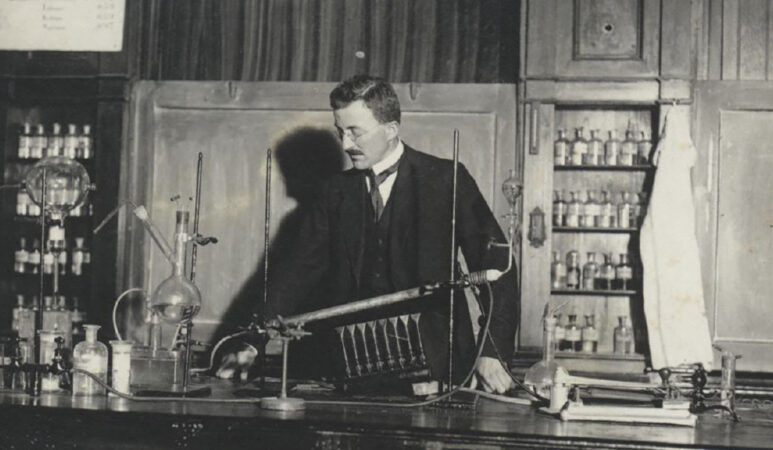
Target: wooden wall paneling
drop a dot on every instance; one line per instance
(378, 54)
(233, 124)
(539, 45)
(469, 31)
(730, 43)
(538, 193)
(676, 40)
(753, 20)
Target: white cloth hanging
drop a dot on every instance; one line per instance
(672, 287)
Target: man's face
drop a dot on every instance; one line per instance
(364, 139)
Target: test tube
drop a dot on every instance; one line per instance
(727, 383)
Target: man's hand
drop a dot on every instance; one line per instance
(237, 363)
(492, 375)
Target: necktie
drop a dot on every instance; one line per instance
(375, 194)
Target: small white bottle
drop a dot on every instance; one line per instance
(22, 202)
(623, 337)
(86, 143)
(21, 257)
(91, 356)
(121, 367)
(55, 141)
(76, 268)
(578, 149)
(71, 142)
(25, 141)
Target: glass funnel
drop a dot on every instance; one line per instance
(67, 184)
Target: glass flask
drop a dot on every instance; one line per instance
(623, 339)
(540, 376)
(67, 184)
(511, 188)
(176, 299)
(91, 356)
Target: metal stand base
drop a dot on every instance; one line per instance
(283, 404)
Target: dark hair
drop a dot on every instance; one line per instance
(377, 93)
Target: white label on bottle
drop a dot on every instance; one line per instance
(624, 273)
(573, 334)
(21, 256)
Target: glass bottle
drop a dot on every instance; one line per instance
(560, 333)
(48, 261)
(25, 141)
(78, 318)
(573, 335)
(55, 141)
(39, 142)
(623, 337)
(590, 335)
(624, 212)
(71, 141)
(17, 312)
(590, 270)
(611, 149)
(540, 375)
(573, 270)
(22, 202)
(33, 264)
(578, 149)
(76, 266)
(606, 212)
(560, 149)
(86, 143)
(574, 210)
(91, 356)
(559, 209)
(624, 273)
(591, 209)
(595, 153)
(606, 274)
(627, 150)
(21, 257)
(557, 272)
(643, 149)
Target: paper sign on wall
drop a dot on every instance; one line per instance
(70, 25)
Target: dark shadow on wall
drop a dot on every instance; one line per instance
(305, 157)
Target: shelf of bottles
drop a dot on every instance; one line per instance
(602, 171)
(64, 311)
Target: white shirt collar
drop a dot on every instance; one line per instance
(389, 159)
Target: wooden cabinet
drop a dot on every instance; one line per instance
(545, 178)
(607, 39)
(43, 102)
(734, 212)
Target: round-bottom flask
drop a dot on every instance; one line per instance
(540, 376)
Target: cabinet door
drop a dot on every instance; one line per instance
(735, 216)
(592, 38)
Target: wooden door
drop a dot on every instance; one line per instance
(734, 208)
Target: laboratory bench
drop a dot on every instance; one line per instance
(63, 421)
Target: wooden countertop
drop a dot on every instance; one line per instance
(61, 420)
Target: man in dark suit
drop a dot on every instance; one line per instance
(385, 226)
